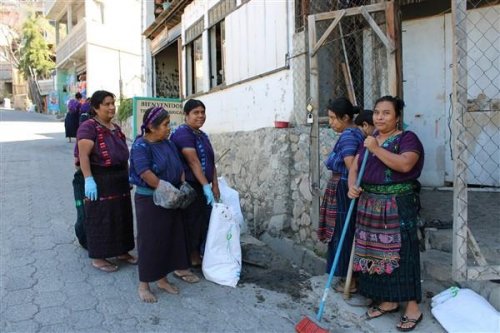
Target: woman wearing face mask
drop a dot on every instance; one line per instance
(387, 256)
(335, 203)
(199, 166)
(161, 236)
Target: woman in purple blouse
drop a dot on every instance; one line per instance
(161, 234)
(387, 249)
(199, 165)
(71, 121)
(103, 159)
(335, 202)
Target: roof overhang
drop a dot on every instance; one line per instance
(167, 19)
(55, 9)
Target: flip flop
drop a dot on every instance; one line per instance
(378, 309)
(108, 267)
(405, 319)
(189, 277)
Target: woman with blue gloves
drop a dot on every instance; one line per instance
(103, 159)
(199, 166)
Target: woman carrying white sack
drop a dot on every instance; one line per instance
(161, 234)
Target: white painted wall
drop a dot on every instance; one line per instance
(257, 42)
(114, 47)
(427, 72)
(424, 86)
(250, 106)
(256, 39)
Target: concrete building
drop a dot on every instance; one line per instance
(98, 46)
(248, 61)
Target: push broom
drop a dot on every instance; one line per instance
(308, 325)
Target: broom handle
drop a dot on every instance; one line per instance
(341, 241)
(348, 278)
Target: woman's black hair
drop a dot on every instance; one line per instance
(78, 95)
(97, 99)
(191, 104)
(364, 116)
(397, 102)
(157, 120)
(342, 106)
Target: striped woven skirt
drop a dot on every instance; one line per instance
(108, 220)
(387, 253)
(333, 213)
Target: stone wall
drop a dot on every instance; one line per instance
(269, 167)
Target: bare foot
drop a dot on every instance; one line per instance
(145, 293)
(128, 258)
(168, 287)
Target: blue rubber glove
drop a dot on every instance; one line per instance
(207, 190)
(90, 188)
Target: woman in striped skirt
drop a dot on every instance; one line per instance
(335, 203)
(387, 256)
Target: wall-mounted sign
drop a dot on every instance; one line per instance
(172, 105)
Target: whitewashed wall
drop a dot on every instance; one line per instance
(256, 39)
(255, 104)
(114, 47)
(427, 71)
(257, 42)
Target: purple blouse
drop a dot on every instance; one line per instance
(347, 145)
(377, 172)
(186, 137)
(110, 146)
(74, 106)
(161, 158)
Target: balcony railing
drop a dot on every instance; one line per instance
(75, 40)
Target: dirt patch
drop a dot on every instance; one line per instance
(268, 270)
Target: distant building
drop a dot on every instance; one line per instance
(98, 46)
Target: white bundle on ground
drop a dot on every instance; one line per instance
(463, 310)
(222, 258)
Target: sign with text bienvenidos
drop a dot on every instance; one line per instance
(172, 105)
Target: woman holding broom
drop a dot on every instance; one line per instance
(387, 256)
(335, 201)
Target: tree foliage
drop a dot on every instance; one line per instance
(125, 109)
(35, 52)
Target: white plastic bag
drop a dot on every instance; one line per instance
(231, 198)
(222, 259)
(168, 196)
(463, 310)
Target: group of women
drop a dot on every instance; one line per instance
(168, 240)
(383, 226)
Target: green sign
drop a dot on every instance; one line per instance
(141, 104)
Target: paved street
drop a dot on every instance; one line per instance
(47, 283)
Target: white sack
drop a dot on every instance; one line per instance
(222, 258)
(463, 310)
(231, 197)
